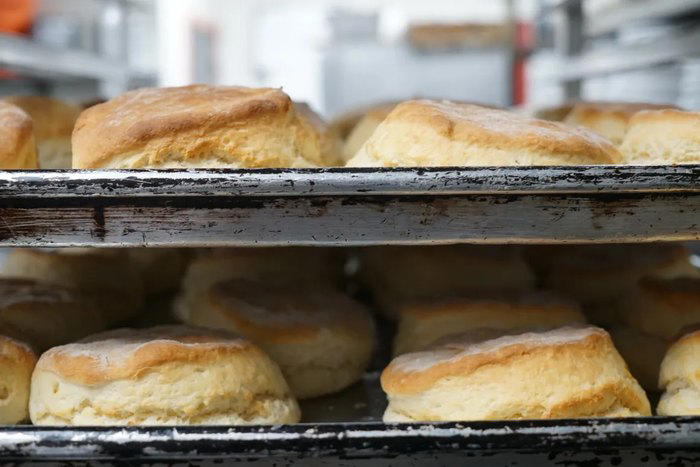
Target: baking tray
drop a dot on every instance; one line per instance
(346, 429)
(635, 442)
(349, 206)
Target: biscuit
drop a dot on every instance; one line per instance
(17, 362)
(106, 275)
(442, 133)
(166, 375)
(608, 119)
(662, 137)
(421, 324)
(45, 315)
(321, 339)
(662, 307)
(53, 124)
(597, 276)
(562, 373)
(277, 265)
(161, 269)
(17, 144)
(397, 275)
(679, 377)
(195, 126)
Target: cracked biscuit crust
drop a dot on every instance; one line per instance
(161, 375)
(321, 338)
(563, 373)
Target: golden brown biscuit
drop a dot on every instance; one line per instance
(662, 307)
(608, 119)
(321, 339)
(53, 124)
(597, 276)
(17, 145)
(161, 269)
(17, 362)
(195, 126)
(443, 133)
(45, 315)
(563, 373)
(106, 275)
(166, 375)
(422, 324)
(680, 377)
(398, 275)
(277, 265)
(662, 137)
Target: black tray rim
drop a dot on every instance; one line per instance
(350, 440)
(349, 181)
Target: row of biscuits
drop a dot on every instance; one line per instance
(203, 127)
(441, 133)
(305, 345)
(447, 330)
(199, 126)
(285, 307)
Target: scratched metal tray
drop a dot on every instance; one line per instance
(349, 206)
(346, 429)
(630, 442)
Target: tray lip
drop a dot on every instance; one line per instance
(349, 181)
(350, 439)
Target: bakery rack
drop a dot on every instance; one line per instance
(349, 206)
(356, 207)
(583, 56)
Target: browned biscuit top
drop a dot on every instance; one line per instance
(128, 353)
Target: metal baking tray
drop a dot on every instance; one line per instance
(349, 206)
(635, 442)
(346, 429)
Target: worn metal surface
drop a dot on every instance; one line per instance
(340, 181)
(641, 441)
(349, 207)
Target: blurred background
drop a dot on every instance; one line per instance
(338, 55)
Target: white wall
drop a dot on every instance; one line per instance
(230, 21)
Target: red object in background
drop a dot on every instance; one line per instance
(519, 82)
(17, 16)
(524, 36)
(524, 41)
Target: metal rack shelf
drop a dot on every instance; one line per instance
(623, 58)
(349, 206)
(625, 12)
(37, 60)
(639, 441)
(575, 26)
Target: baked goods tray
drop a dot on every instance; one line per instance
(345, 429)
(634, 442)
(349, 206)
